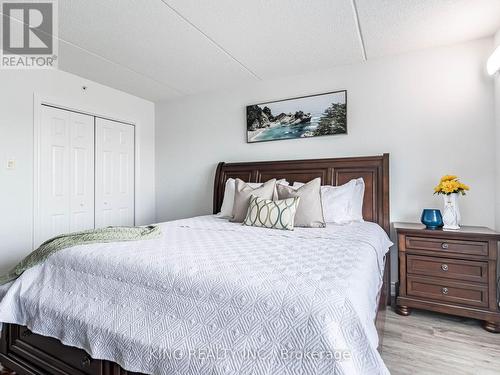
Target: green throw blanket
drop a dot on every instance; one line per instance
(102, 235)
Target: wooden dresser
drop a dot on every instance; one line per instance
(452, 272)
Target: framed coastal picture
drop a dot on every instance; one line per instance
(304, 117)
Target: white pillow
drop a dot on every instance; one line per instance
(226, 210)
(342, 204)
(357, 202)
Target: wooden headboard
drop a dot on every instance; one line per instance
(373, 169)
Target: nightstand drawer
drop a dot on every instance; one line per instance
(441, 289)
(463, 270)
(445, 245)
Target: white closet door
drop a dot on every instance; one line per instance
(114, 186)
(82, 172)
(66, 179)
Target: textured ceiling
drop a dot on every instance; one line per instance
(396, 26)
(162, 49)
(283, 37)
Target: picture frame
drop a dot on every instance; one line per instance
(300, 117)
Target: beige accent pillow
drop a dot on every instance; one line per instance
(341, 204)
(242, 193)
(226, 211)
(309, 212)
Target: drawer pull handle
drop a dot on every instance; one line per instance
(86, 361)
(444, 267)
(444, 245)
(444, 291)
(26, 333)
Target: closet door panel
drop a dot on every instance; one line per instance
(114, 173)
(66, 182)
(82, 172)
(54, 174)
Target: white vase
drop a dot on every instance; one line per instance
(451, 214)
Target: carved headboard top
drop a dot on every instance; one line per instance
(373, 169)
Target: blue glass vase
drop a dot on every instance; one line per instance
(431, 218)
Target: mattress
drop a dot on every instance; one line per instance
(211, 296)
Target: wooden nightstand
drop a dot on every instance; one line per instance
(452, 272)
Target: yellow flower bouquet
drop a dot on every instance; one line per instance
(450, 184)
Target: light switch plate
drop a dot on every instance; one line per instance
(11, 164)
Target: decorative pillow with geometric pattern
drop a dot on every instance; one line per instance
(271, 214)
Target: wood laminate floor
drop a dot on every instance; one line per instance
(426, 343)
(435, 344)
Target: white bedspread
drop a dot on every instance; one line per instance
(213, 297)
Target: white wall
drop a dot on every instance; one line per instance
(432, 110)
(497, 106)
(17, 89)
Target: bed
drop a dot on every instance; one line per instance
(213, 285)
